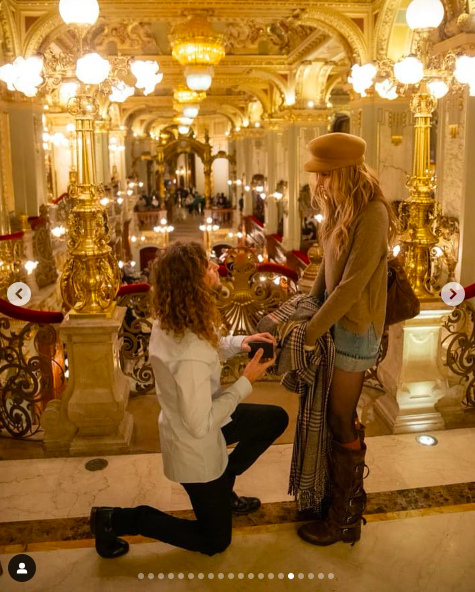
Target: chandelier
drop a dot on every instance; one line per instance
(187, 102)
(197, 47)
(32, 74)
(425, 78)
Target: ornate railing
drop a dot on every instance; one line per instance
(255, 236)
(33, 369)
(459, 348)
(11, 259)
(224, 217)
(135, 334)
(46, 272)
(250, 291)
(148, 219)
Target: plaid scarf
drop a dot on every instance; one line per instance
(309, 374)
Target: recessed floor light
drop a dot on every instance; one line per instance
(427, 440)
(97, 464)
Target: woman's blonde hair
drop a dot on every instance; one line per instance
(341, 195)
(182, 298)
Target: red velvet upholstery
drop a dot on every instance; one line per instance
(302, 257)
(223, 271)
(256, 221)
(280, 269)
(60, 198)
(133, 289)
(15, 236)
(470, 292)
(30, 316)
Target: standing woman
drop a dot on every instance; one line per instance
(358, 224)
(198, 418)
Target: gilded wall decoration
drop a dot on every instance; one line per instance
(456, 18)
(342, 28)
(282, 36)
(6, 170)
(127, 35)
(9, 33)
(397, 121)
(383, 28)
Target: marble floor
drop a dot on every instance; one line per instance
(419, 536)
(145, 410)
(426, 554)
(62, 487)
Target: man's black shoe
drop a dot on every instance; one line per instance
(108, 544)
(244, 505)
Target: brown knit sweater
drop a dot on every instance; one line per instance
(356, 281)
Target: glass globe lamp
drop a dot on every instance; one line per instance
(183, 129)
(191, 111)
(409, 70)
(92, 69)
(199, 78)
(465, 70)
(424, 14)
(438, 88)
(386, 90)
(79, 12)
(362, 77)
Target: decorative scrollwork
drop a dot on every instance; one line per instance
(459, 348)
(135, 335)
(12, 255)
(32, 372)
(248, 295)
(46, 273)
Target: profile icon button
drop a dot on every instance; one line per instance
(22, 568)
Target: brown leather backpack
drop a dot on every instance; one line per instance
(402, 302)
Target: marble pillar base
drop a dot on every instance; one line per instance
(389, 411)
(412, 374)
(93, 407)
(117, 443)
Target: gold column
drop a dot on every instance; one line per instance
(207, 172)
(208, 169)
(418, 238)
(161, 171)
(91, 276)
(7, 201)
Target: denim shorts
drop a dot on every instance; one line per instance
(355, 353)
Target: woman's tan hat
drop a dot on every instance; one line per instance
(335, 151)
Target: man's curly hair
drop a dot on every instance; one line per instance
(182, 299)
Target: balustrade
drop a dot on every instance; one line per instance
(33, 361)
(11, 260)
(458, 347)
(33, 368)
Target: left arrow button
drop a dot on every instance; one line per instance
(19, 294)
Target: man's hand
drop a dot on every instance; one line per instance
(257, 337)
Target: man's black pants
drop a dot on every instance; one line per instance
(253, 429)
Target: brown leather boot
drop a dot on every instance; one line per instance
(348, 504)
(360, 430)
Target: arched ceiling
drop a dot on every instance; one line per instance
(266, 44)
